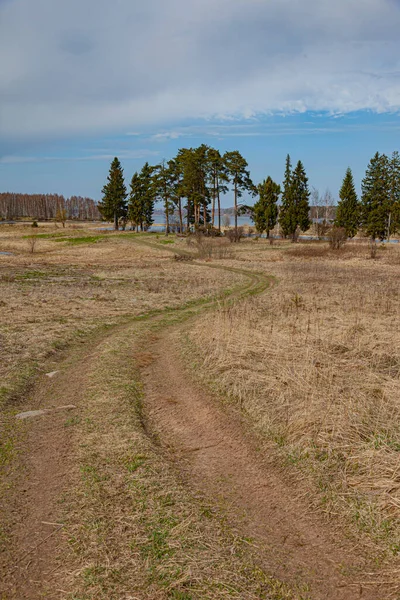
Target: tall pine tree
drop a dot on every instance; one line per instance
(163, 182)
(135, 203)
(295, 207)
(266, 208)
(348, 209)
(113, 205)
(218, 178)
(375, 200)
(141, 198)
(236, 167)
(287, 219)
(394, 208)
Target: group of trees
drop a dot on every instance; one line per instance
(377, 214)
(189, 185)
(46, 207)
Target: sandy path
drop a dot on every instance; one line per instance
(212, 449)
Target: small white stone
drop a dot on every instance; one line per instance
(50, 375)
(30, 413)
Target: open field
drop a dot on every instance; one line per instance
(77, 280)
(271, 368)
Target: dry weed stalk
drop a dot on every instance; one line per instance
(32, 241)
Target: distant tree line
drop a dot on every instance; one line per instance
(47, 207)
(191, 184)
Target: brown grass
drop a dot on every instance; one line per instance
(64, 290)
(316, 365)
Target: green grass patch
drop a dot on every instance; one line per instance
(76, 241)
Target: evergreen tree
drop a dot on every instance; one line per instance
(113, 205)
(236, 167)
(135, 204)
(375, 200)
(142, 198)
(394, 209)
(149, 195)
(219, 178)
(295, 200)
(348, 210)
(266, 208)
(301, 195)
(287, 219)
(163, 186)
(177, 192)
(195, 170)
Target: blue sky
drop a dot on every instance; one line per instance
(86, 80)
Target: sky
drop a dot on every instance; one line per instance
(86, 80)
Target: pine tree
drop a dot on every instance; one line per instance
(348, 210)
(163, 186)
(375, 200)
(142, 198)
(236, 167)
(295, 200)
(135, 204)
(394, 210)
(287, 219)
(113, 205)
(219, 178)
(195, 168)
(149, 195)
(266, 208)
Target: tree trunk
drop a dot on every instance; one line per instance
(166, 218)
(219, 208)
(213, 204)
(236, 212)
(115, 221)
(180, 216)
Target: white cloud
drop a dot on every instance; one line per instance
(165, 136)
(89, 65)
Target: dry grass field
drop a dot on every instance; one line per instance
(76, 280)
(312, 363)
(315, 365)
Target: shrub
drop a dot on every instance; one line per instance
(337, 237)
(208, 247)
(235, 235)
